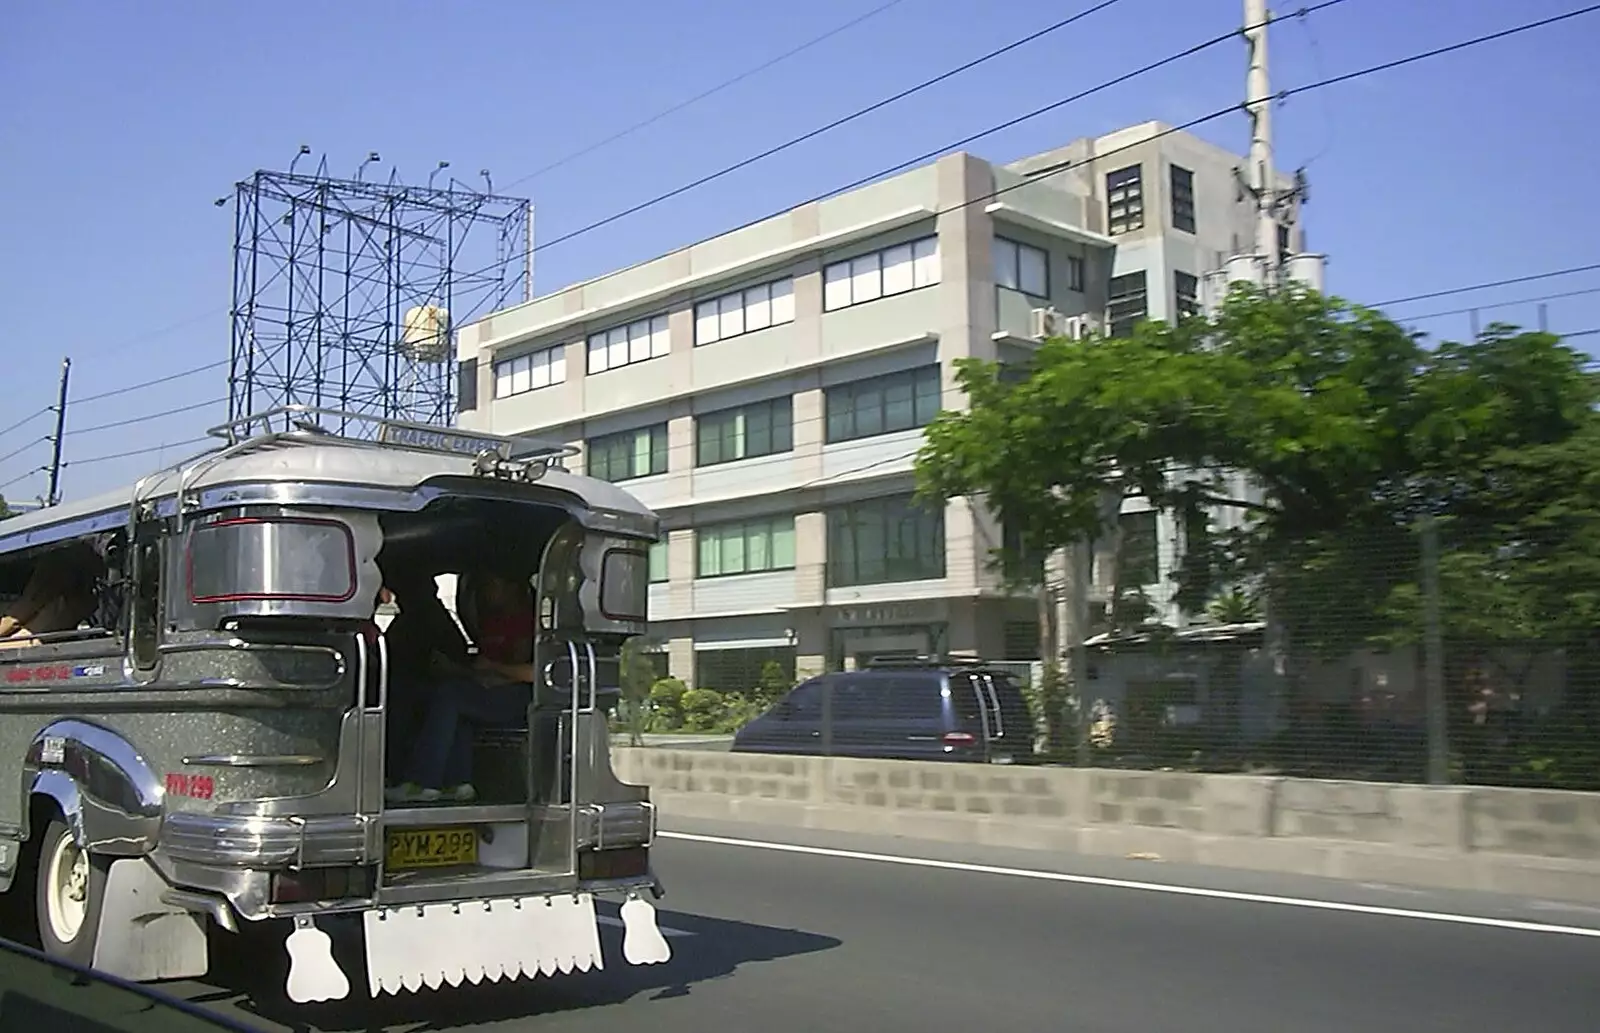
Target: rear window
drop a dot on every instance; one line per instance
(896, 697)
(625, 585)
(271, 558)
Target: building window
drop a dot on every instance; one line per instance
(530, 372)
(658, 563)
(632, 453)
(1283, 240)
(1182, 199)
(882, 405)
(1186, 291)
(761, 429)
(1074, 273)
(1125, 200)
(744, 311)
(883, 540)
(1129, 303)
(741, 670)
(878, 274)
(746, 547)
(1138, 561)
(1021, 267)
(624, 345)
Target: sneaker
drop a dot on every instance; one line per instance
(410, 792)
(463, 793)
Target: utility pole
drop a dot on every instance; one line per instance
(54, 496)
(1258, 104)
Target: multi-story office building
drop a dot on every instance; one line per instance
(765, 392)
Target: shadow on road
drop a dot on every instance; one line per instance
(249, 982)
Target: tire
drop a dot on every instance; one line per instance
(69, 892)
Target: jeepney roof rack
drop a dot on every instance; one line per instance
(307, 423)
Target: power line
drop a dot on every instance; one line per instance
(814, 133)
(152, 383)
(24, 421)
(136, 452)
(1231, 34)
(32, 444)
(1504, 304)
(1511, 280)
(1212, 116)
(697, 98)
(148, 416)
(36, 471)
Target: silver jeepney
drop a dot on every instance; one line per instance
(212, 748)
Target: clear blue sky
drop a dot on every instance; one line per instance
(124, 122)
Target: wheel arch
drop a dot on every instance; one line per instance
(102, 786)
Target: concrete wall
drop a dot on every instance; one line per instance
(1533, 842)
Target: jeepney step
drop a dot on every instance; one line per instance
(415, 817)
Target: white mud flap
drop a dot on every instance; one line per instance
(314, 975)
(642, 942)
(434, 945)
(142, 937)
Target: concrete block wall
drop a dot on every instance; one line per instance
(1531, 842)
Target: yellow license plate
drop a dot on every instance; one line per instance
(430, 848)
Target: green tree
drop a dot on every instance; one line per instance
(638, 676)
(1350, 431)
(5, 510)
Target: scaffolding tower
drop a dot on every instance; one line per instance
(345, 292)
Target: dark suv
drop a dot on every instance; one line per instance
(908, 709)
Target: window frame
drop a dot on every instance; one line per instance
(775, 436)
(1015, 256)
(660, 321)
(1077, 275)
(598, 444)
(768, 526)
(1185, 305)
(1183, 200)
(918, 378)
(1122, 327)
(918, 263)
(662, 549)
(1119, 182)
(891, 514)
(743, 294)
(554, 355)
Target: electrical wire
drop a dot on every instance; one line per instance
(1219, 113)
(1493, 283)
(25, 421)
(152, 383)
(712, 91)
(32, 444)
(795, 141)
(136, 452)
(1504, 304)
(36, 471)
(147, 416)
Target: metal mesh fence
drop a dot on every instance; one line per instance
(1439, 653)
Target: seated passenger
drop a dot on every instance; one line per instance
(60, 596)
(497, 693)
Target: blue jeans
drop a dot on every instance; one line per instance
(442, 755)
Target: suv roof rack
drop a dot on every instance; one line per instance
(927, 660)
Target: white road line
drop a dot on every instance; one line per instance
(1149, 887)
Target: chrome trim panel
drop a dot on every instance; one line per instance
(203, 904)
(243, 841)
(119, 800)
(244, 760)
(607, 825)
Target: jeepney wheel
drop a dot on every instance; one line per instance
(71, 886)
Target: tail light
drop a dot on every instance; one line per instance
(954, 740)
(310, 885)
(624, 863)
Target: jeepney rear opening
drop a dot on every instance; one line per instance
(523, 817)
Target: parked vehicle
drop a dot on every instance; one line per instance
(915, 709)
(210, 741)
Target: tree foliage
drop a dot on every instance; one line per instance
(1350, 429)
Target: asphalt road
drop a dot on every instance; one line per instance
(786, 942)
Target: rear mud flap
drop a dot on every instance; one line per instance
(436, 945)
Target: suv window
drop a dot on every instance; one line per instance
(890, 698)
